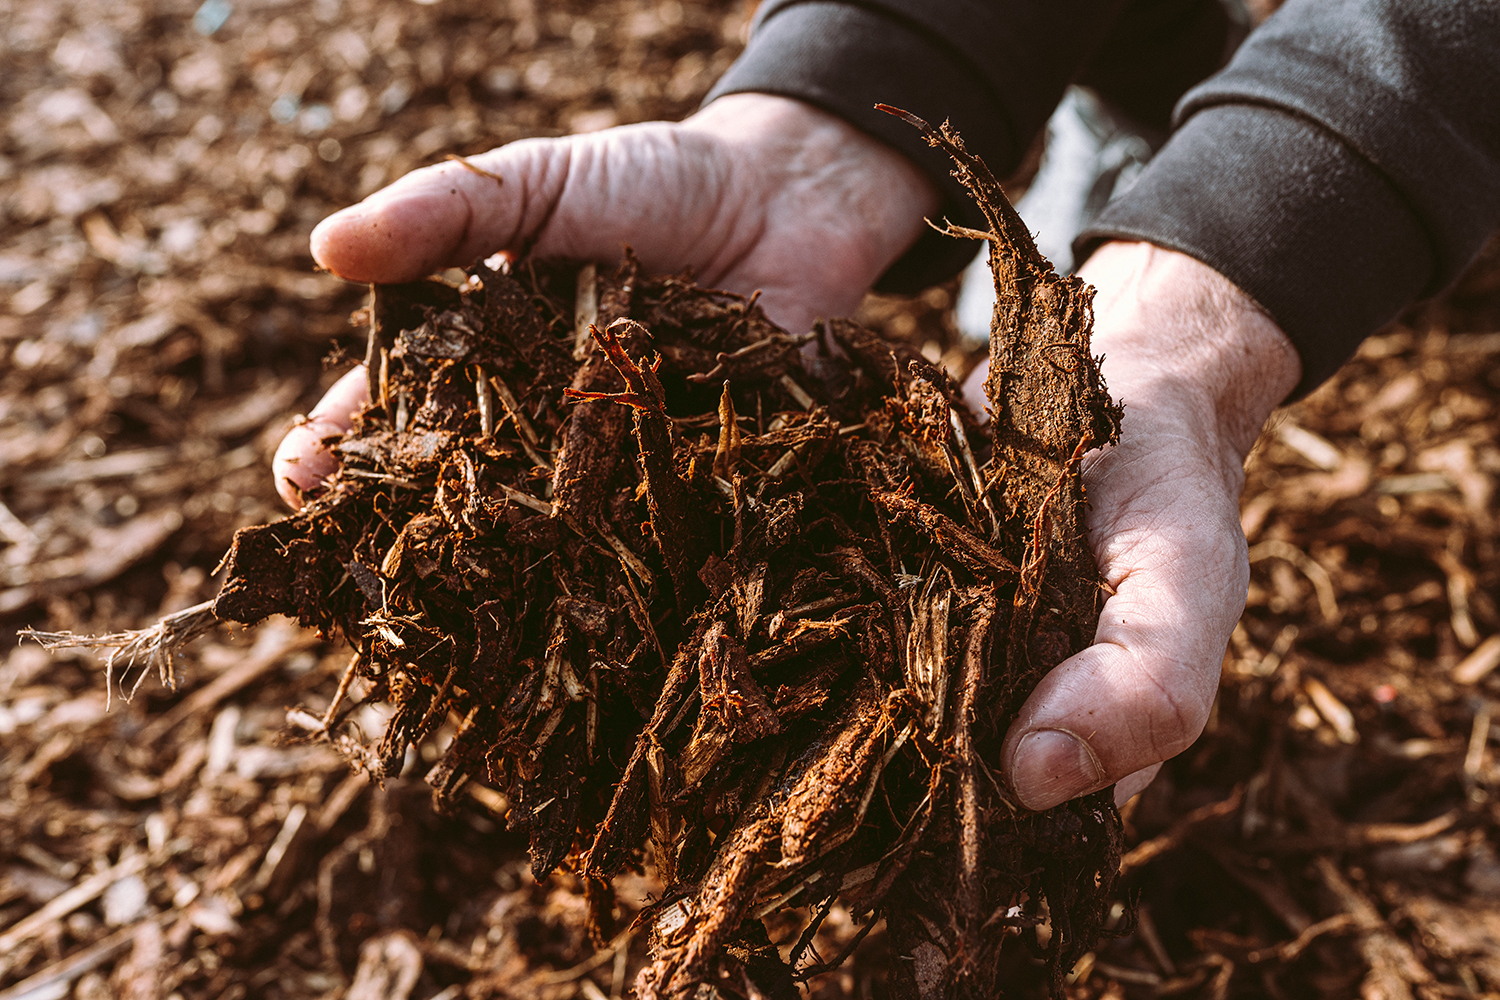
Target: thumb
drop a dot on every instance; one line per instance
(1142, 692)
(661, 187)
(445, 215)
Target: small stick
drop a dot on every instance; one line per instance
(1479, 737)
(472, 166)
(1179, 831)
(49, 979)
(1322, 583)
(1146, 927)
(341, 692)
(486, 402)
(588, 965)
(529, 439)
(971, 822)
(435, 705)
(585, 310)
(276, 853)
(1477, 665)
(1288, 951)
(71, 899)
(376, 344)
(526, 500)
(783, 465)
(1393, 966)
(967, 454)
(13, 529)
(384, 380)
(627, 556)
(722, 358)
(796, 392)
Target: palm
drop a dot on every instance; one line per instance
(753, 193)
(809, 216)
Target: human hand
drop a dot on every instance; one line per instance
(1199, 368)
(753, 192)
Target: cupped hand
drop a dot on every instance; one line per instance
(754, 192)
(1199, 368)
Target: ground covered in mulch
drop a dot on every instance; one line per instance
(161, 166)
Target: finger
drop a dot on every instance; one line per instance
(1132, 785)
(1142, 692)
(584, 197)
(445, 215)
(302, 463)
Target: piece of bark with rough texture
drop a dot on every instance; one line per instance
(729, 691)
(596, 428)
(673, 522)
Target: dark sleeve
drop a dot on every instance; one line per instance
(995, 69)
(1346, 162)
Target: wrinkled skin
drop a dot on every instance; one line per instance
(761, 192)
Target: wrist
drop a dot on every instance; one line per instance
(1182, 342)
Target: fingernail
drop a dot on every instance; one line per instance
(1051, 766)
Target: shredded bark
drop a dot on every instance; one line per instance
(773, 656)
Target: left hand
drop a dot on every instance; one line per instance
(754, 192)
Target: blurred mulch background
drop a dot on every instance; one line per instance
(161, 166)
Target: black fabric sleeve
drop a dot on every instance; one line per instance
(1156, 51)
(995, 69)
(1346, 162)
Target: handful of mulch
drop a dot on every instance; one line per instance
(757, 608)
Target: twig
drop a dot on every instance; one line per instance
(1288, 951)
(474, 167)
(1480, 663)
(529, 439)
(46, 982)
(802, 975)
(485, 402)
(71, 899)
(585, 309)
(14, 530)
(1393, 965)
(577, 972)
(1479, 738)
(971, 832)
(1155, 847)
(798, 394)
(1322, 584)
(156, 645)
(342, 692)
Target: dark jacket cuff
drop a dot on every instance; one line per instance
(1295, 218)
(1410, 87)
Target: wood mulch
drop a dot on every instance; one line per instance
(161, 166)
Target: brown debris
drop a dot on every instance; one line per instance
(163, 325)
(550, 648)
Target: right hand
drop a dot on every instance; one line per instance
(754, 192)
(1199, 367)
